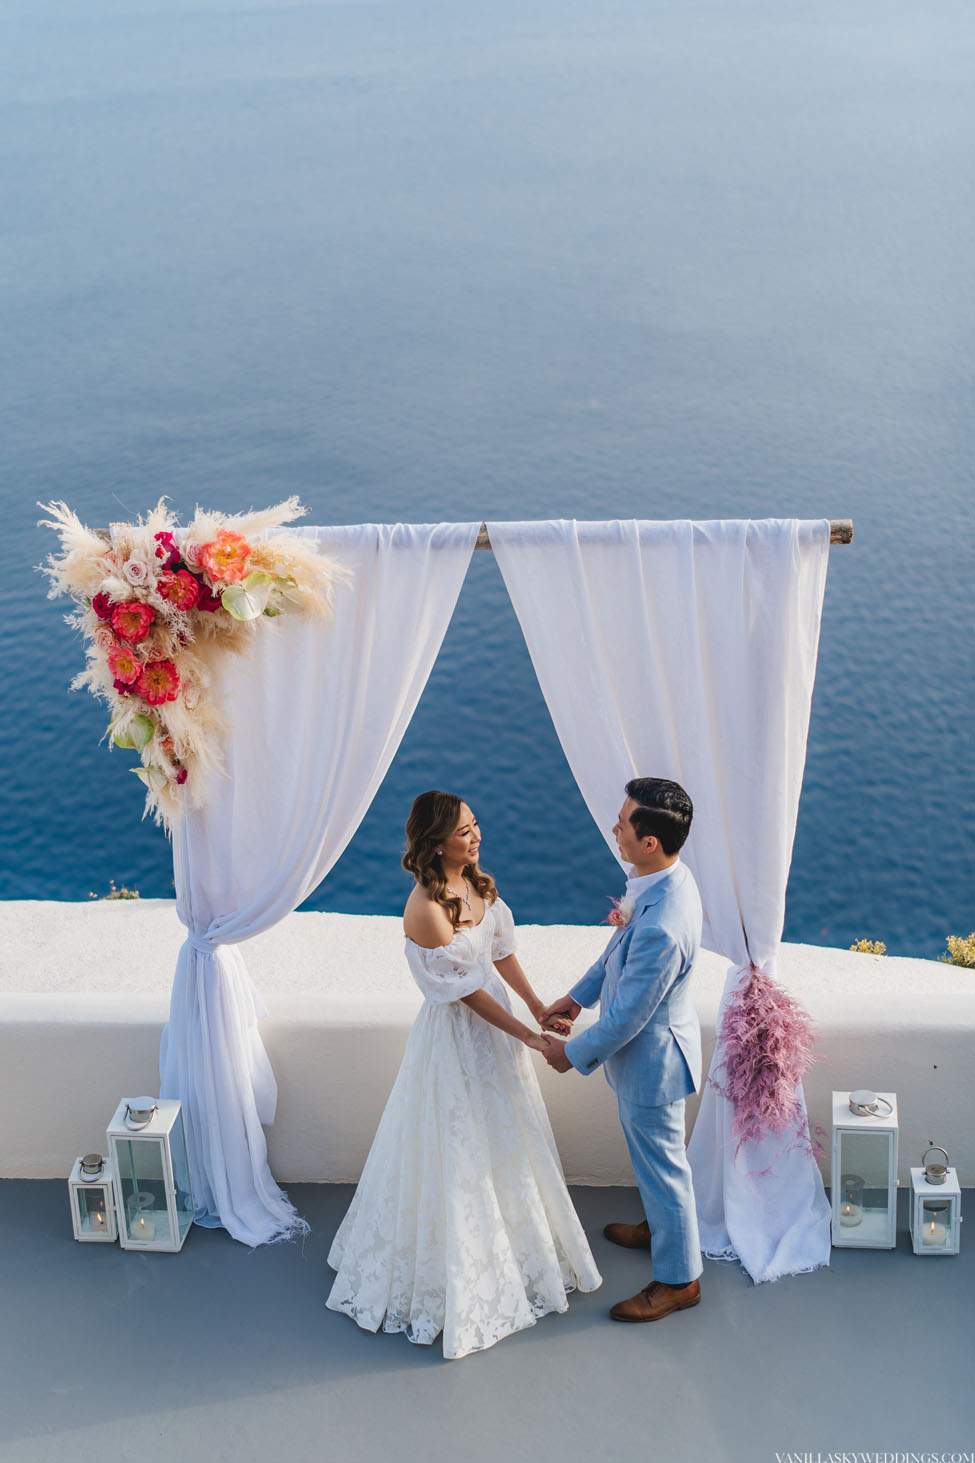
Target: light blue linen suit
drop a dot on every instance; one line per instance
(649, 1038)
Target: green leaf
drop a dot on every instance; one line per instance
(248, 599)
(134, 732)
(142, 730)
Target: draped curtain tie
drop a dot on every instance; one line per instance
(202, 944)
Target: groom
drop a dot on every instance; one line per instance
(649, 1038)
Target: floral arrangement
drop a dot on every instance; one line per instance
(161, 607)
(621, 912)
(767, 1044)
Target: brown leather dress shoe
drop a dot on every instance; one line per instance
(632, 1236)
(657, 1300)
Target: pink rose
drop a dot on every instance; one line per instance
(191, 555)
(136, 571)
(103, 639)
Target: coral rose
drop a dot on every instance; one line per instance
(132, 620)
(103, 605)
(180, 589)
(159, 682)
(124, 664)
(225, 557)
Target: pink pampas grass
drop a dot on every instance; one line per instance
(766, 1041)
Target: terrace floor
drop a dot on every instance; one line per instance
(223, 1353)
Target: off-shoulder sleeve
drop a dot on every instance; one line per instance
(447, 973)
(503, 942)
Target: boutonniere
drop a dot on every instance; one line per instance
(621, 912)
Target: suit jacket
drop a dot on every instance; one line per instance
(648, 1034)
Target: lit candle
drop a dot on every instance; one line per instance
(935, 1233)
(96, 1220)
(143, 1227)
(850, 1215)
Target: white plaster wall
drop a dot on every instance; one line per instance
(83, 997)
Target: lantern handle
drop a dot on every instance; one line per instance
(935, 1178)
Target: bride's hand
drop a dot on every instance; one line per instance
(558, 1022)
(537, 1043)
(561, 1025)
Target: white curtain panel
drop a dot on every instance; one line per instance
(688, 650)
(316, 713)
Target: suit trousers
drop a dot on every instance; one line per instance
(655, 1138)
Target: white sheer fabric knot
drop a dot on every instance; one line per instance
(200, 943)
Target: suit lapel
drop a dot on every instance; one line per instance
(646, 901)
(656, 891)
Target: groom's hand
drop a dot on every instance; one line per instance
(564, 1006)
(554, 1054)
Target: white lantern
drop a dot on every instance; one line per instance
(152, 1174)
(864, 1170)
(92, 1198)
(935, 1208)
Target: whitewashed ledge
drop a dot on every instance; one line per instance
(84, 995)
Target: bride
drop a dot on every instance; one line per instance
(461, 1222)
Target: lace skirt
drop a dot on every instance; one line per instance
(461, 1222)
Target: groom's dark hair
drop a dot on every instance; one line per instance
(665, 811)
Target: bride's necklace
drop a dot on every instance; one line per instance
(466, 896)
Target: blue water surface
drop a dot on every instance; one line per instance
(421, 261)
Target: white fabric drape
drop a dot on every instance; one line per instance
(316, 713)
(688, 650)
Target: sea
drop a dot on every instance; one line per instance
(421, 261)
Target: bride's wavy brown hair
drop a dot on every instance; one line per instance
(433, 817)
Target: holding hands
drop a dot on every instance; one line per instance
(556, 1021)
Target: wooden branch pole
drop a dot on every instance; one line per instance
(840, 532)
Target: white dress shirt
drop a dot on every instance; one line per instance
(636, 885)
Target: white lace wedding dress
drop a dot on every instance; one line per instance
(462, 1222)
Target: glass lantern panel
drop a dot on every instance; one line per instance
(93, 1210)
(936, 1216)
(142, 1182)
(866, 1157)
(181, 1176)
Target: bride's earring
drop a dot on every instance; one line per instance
(438, 850)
